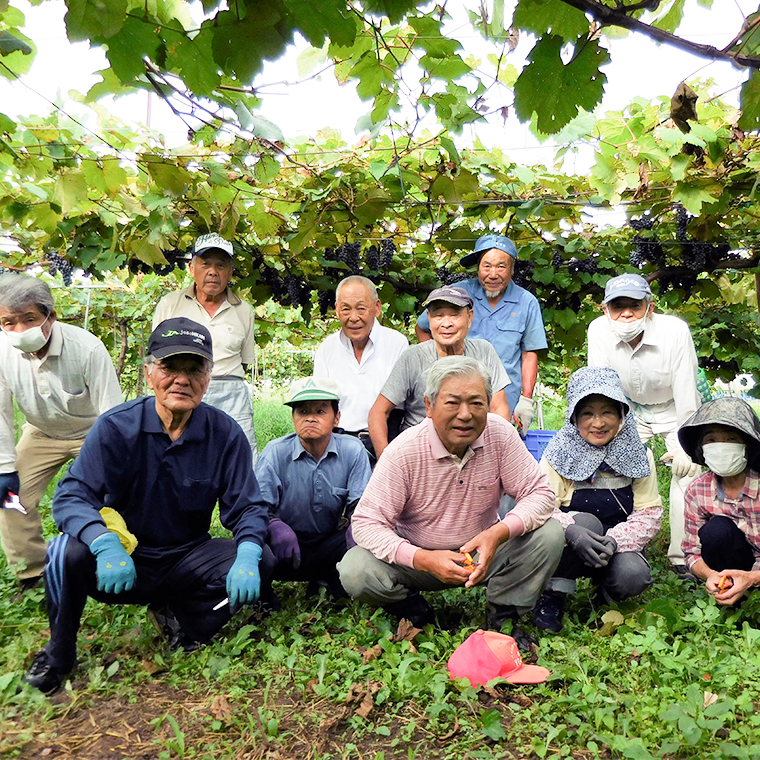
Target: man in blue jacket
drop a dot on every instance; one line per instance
(135, 510)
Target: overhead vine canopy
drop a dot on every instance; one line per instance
(403, 204)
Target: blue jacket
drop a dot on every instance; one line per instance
(165, 490)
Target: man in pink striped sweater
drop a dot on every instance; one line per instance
(434, 496)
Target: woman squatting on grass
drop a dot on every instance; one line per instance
(606, 496)
(722, 506)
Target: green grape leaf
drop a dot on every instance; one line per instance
(554, 16)
(555, 90)
(95, 19)
(10, 43)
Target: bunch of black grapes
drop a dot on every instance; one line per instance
(522, 274)
(58, 264)
(387, 249)
(450, 278)
(646, 251)
(325, 299)
(576, 266)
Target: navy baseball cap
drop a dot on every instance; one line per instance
(450, 294)
(180, 335)
(486, 243)
(626, 286)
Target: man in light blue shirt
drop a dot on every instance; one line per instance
(312, 480)
(507, 316)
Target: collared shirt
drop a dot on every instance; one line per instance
(420, 497)
(359, 382)
(165, 490)
(659, 376)
(405, 386)
(705, 498)
(310, 495)
(514, 325)
(61, 394)
(231, 328)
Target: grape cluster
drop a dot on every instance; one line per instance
(349, 254)
(447, 277)
(274, 281)
(325, 299)
(643, 223)
(682, 224)
(387, 249)
(522, 274)
(557, 260)
(695, 255)
(576, 265)
(373, 258)
(295, 289)
(678, 281)
(59, 264)
(646, 251)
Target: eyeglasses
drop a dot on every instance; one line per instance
(194, 371)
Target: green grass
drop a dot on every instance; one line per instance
(678, 679)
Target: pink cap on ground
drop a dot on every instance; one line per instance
(485, 655)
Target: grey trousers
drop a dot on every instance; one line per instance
(520, 568)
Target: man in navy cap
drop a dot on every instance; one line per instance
(507, 316)
(135, 509)
(450, 316)
(655, 358)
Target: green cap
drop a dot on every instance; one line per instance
(313, 389)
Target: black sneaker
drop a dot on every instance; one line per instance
(498, 615)
(26, 585)
(415, 608)
(686, 575)
(168, 626)
(42, 675)
(549, 611)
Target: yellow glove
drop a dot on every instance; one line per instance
(115, 523)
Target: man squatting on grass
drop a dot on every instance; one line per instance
(311, 480)
(159, 465)
(434, 495)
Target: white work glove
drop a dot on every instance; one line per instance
(682, 465)
(525, 411)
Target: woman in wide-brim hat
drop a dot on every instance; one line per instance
(722, 506)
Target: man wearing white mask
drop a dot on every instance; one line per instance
(655, 357)
(61, 378)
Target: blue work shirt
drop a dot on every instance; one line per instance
(514, 325)
(311, 496)
(165, 490)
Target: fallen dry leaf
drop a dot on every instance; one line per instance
(365, 708)
(709, 699)
(371, 654)
(405, 631)
(220, 707)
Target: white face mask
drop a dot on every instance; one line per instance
(725, 459)
(30, 340)
(627, 331)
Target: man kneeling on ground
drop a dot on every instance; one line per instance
(433, 499)
(158, 465)
(311, 481)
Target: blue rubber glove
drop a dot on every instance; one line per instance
(284, 543)
(8, 484)
(243, 579)
(116, 570)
